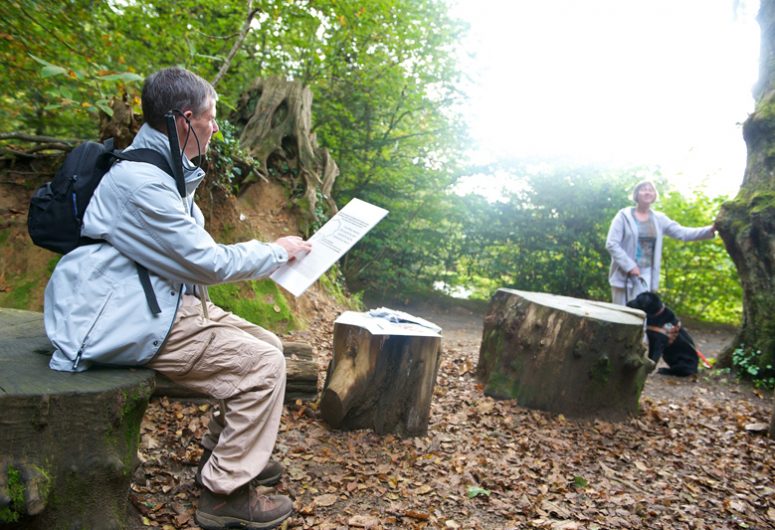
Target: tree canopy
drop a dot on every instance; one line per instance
(386, 105)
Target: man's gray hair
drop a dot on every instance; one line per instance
(639, 185)
(174, 89)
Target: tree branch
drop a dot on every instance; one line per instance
(62, 143)
(237, 44)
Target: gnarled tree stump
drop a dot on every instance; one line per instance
(565, 355)
(381, 382)
(276, 120)
(68, 442)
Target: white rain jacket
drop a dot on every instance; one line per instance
(95, 307)
(622, 243)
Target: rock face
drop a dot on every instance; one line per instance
(565, 355)
(68, 442)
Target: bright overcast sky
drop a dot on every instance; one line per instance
(661, 82)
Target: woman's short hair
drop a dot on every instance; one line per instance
(639, 185)
(174, 89)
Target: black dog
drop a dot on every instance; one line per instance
(680, 354)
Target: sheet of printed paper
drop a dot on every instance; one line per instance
(329, 244)
(380, 326)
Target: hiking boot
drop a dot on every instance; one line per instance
(269, 476)
(243, 508)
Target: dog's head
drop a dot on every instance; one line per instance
(648, 302)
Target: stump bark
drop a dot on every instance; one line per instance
(68, 442)
(301, 381)
(565, 355)
(381, 382)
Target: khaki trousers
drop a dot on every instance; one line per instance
(240, 364)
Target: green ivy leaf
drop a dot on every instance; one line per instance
(475, 491)
(580, 482)
(103, 106)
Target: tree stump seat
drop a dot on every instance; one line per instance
(68, 442)
(576, 357)
(381, 376)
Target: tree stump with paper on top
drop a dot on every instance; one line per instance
(380, 381)
(566, 355)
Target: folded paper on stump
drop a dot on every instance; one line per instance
(380, 325)
(329, 244)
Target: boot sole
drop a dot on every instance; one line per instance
(214, 522)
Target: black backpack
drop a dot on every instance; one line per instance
(56, 209)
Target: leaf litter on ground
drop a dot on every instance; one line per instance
(696, 457)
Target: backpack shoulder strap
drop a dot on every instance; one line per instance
(154, 157)
(150, 156)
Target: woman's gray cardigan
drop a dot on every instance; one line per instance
(622, 242)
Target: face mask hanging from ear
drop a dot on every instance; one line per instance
(185, 140)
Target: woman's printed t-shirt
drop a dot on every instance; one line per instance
(647, 238)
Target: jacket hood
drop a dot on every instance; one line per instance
(149, 138)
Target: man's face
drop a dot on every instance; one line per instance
(204, 125)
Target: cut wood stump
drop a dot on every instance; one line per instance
(565, 355)
(301, 382)
(68, 442)
(380, 382)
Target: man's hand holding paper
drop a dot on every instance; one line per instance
(329, 244)
(294, 246)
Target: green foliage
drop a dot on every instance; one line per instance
(546, 234)
(752, 365)
(231, 165)
(699, 278)
(383, 74)
(18, 296)
(61, 65)
(384, 77)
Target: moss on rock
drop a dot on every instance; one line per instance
(258, 301)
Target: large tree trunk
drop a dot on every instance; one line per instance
(747, 223)
(381, 382)
(564, 355)
(68, 442)
(276, 120)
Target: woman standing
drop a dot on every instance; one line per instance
(635, 242)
